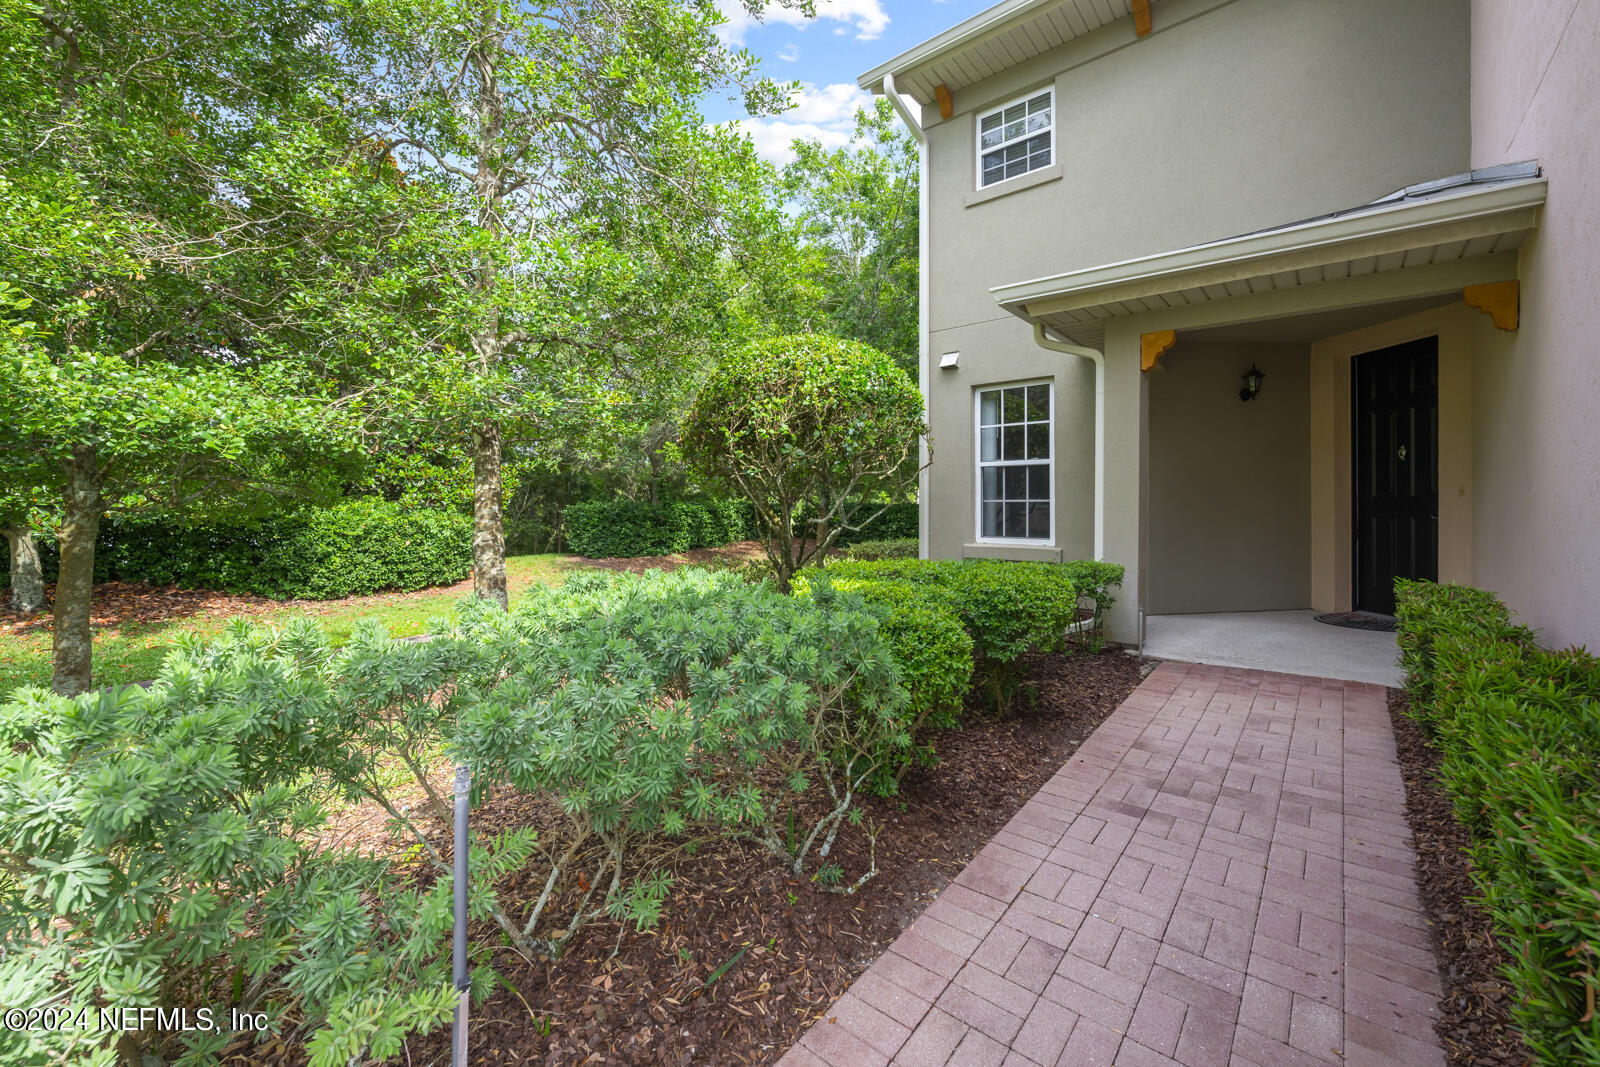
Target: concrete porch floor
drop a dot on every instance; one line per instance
(1290, 642)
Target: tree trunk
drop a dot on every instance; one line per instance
(488, 526)
(27, 576)
(80, 525)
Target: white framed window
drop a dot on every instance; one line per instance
(1016, 462)
(1016, 137)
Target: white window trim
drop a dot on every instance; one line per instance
(978, 463)
(977, 138)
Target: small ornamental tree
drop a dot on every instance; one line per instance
(807, 422)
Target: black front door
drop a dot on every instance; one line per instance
(1395, 398)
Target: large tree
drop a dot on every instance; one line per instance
(172, 182)
(855, 209)
(587, 199)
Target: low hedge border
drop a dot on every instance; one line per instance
(604, 529)
(1518, 729)
(364, 545)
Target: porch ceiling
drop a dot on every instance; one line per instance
(1468, 216)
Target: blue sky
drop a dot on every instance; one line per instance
(825, 54)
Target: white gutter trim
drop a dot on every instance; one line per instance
(975, 27)
(924, 348)
(1162, 270)
(1098, 358)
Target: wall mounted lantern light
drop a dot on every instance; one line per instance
(1252, 383)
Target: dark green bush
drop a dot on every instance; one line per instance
(931, 646)
(1008, 608)
(1518, 729)
(894, 548)
(364, 545)
(898, 521)
(602, 529)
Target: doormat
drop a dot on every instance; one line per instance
(1359, 620)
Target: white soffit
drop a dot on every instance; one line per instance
(1463, 221)
(991, 41)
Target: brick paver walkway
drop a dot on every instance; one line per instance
(1222, 874)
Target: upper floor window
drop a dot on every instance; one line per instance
(1016, 138)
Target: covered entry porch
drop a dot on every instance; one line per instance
(1237, 501)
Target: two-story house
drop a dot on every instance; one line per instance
(1269, 300)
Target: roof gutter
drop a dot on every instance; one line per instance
(924, 457)
(1098, 358)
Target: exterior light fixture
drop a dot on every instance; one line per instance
(1252, 383)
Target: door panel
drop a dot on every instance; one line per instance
(1395, 449)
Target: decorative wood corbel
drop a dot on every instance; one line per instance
(947, 100)
(1153, 345)
(1501, 301)
(1141, 17)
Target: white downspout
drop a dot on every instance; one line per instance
(915, 126)
(1099, 360)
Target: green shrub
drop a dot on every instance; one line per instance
(1518, 729)
(603, 529)
(648, 704)
(1008, 608)
(163, 845)
(364, 545)
(922, 624)
(897, 521)
(895, 548)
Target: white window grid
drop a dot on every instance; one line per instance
(999, 460)
(1015, 138)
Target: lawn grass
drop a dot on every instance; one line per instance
(134, 652)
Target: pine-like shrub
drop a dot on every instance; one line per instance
(162, 851)
(923, 626)
(1518, 729)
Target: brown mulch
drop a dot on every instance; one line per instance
(1474, 1023)
(623, 997)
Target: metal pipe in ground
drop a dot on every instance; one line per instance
(458, 1029)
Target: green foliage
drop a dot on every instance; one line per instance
(889, 522)
(162, 841)
(892, 548)
(651, 704)
(364, 545)
(1009, 608)
(810, 423)
(929, 642)
(1518, 729)
(601, 529)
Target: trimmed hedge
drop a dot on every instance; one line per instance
(364, 545)
(894, 548)
(1518, 729)
(899, 520)
(1008, 608)
(602, 529)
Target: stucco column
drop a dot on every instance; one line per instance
(1126, 475)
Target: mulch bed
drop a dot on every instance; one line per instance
(622, 997)
(1474, 1024)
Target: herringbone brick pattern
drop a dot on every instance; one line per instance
(1222, 874)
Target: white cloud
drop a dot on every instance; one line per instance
(866, 17)
(789, 53)
(826, 114)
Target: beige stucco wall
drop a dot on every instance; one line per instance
(1536, 416)
(1233, 116)
(1229, 511)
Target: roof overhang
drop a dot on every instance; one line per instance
(1003, 36)
(1455, 222)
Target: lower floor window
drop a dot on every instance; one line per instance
(1014, 462)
